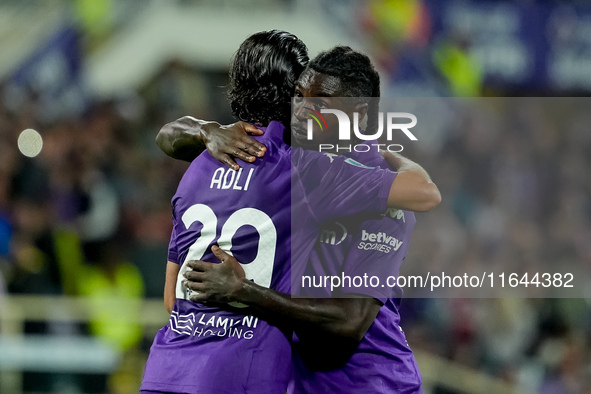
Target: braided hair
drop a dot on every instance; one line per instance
(358, 78)
(263, 73)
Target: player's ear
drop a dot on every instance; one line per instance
(361, 109)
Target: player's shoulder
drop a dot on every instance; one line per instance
(272, 134)
(200, 166)
(305, 158)
(205, 162)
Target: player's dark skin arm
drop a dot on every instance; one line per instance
(418, 192)
(185, 138)
(335, 325)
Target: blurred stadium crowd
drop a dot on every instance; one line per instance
(91, 214)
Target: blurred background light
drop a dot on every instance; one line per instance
(30, 142)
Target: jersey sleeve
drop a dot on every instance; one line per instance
(338, 186)
(377, 251)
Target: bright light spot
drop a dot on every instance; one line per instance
(30, 142)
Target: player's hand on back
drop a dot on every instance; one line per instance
(215, 282)
(226, 143)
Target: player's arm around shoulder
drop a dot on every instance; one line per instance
(344, 318)
(412, 188)
(183, 138)
(186, 137)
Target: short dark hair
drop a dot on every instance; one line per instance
(357, 75)
(263, 73)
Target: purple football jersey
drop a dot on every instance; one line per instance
(354, 246)
(204, 349)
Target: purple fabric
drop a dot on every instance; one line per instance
(210, 350)
(383, 362)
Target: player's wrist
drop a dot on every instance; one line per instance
(245, 291)
(205, 132)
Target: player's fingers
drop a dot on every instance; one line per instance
(198, 265)
(251, 146)
(194, 276)
(254, 147)
(247, 144)
(220, 254)
(201, 297)
(229, 161)
(251, 129)
(195, 286)
(242, 154)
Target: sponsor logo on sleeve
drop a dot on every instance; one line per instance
(395, 213)
(380, 241)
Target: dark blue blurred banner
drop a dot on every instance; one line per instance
(54, 73)
(526, 45)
